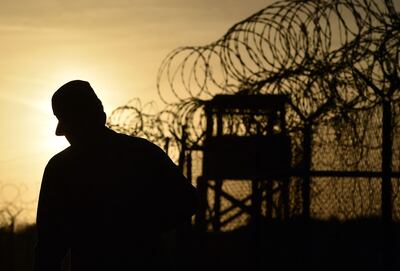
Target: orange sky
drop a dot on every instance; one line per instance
(116, 45)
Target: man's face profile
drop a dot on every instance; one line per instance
(78, 110)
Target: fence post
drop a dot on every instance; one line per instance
(201, 216)
(306, 167)
(182, 153)
(386, 161)
(166, 145)
(386, 190)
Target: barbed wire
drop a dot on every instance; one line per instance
(330, 57)
(16, 207)
(336, 61)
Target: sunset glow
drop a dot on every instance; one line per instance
(117, 46)
(199, 135)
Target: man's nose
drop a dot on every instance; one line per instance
(60, 129)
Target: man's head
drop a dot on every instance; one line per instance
(78, 110)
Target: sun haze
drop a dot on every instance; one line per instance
(115, 45)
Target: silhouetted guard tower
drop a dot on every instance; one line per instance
(245, 140)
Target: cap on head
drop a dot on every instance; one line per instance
(75, 98)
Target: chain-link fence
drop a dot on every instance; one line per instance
(338, 64)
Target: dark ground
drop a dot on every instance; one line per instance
(294, 245)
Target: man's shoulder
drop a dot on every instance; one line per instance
(61, 158)
(136, 142)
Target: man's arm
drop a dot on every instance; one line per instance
(50, 221)
(179, 199)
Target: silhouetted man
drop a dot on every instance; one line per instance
(108, 197)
